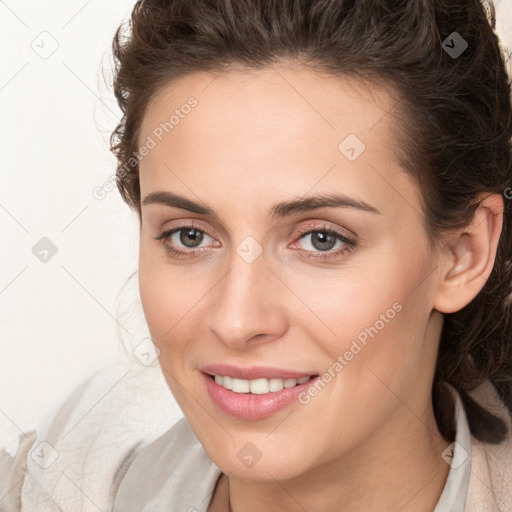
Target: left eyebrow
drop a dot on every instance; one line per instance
(319, 201)
(279, 210)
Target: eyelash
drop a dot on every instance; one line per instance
(350, 244)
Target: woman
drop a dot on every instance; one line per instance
(325, 248)
(323, 191)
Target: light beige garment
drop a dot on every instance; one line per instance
(80, 452)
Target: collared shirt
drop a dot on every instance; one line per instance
(174, 474)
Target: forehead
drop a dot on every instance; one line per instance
(278, 130)
(327, 106)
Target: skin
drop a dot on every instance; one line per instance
(369, 440)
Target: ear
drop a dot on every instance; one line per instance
(469, 256)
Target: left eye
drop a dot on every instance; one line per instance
(324, 240)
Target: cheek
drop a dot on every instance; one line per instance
(374, 312)
(164, 295)
(382, 347)
(165, 304)
(344, 304)
(174, 305)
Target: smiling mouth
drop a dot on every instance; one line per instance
(258, 386)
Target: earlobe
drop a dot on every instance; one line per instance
(469, 260)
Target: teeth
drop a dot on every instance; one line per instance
(275, 384)
(227, 382)
(257, 386)
(239, 385)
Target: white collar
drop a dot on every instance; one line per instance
(458, 456)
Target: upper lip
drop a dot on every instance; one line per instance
(253, 372)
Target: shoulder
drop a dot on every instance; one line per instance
(490, 485)
(81, 450)
(12, 470)
(172, 473)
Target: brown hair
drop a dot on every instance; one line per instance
(454, 132)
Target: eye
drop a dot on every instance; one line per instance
(325, 243)
(188, 237)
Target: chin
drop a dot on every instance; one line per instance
(263, 464)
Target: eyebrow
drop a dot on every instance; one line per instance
(279, 210)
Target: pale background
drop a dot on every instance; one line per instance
(58, 318)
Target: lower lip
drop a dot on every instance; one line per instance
(248, 406)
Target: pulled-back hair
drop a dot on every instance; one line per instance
(453, 136)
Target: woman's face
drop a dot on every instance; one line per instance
(275, 277)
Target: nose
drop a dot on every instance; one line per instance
(246, 307)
